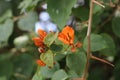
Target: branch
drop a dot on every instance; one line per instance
(101, 60)
(88, 40)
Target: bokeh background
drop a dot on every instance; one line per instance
(18, 52)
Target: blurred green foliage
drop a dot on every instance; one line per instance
(18, 53)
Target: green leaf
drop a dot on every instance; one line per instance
(72, 74)
(3, 78)
(50, 38)
(23, 64)
(56, 47)
(116, 26)
(6, 55)
(4, 6)
(59, 57)
(110, 50)
(5, 32)
(37, 76)
(26, 5)
(97, 73)
(97, 43)
(6, 69)
(47, 58)
(60, 11)
(6, 15)
(27, 22)
(60, 75)
(21, 41)
(97, 9)
(47, 72)
(117, 70)
(82, 13)
(76, 62)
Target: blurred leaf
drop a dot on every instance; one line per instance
(97, 74)
(82, 13)
(37, 76)
(27, 22)
(5, 56)
(47, 72)
(97, 9)
(47, 58)
(96, 20)
(60, 11)
(21, 41)
(5, 32)
(116, 26)
(97, 43)
(6, 69)
(23, 65)
(59, 57)
(60, 75)
(72, 74)
(25, 5)
(6, 15)
(76, 62)
(3, 78)
(110, 50)
(50, 38)
(117, 70)
(56, 47)
(4, 6)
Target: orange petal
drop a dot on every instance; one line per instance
(38, 41)
(67, 35)
(40, 63)
(69, 32)
(63, 38)
(42, 33)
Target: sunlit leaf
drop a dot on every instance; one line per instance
(60, 75)
(50, 38)
(47, 72)
(47, 58)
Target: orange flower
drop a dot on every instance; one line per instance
(40, 63)
(67, 35)
(39, 40)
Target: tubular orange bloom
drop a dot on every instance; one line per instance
(67, 35)
(39, 40)
(40, 63)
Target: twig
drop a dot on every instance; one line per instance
(88, 40)
(101, 60)
(96, 2)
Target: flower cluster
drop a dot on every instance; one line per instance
(66, 36)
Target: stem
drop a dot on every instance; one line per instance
(88, 40)
(101, 60)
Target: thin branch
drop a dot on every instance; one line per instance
(88, 40)
(96, 2)
(101, 60)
